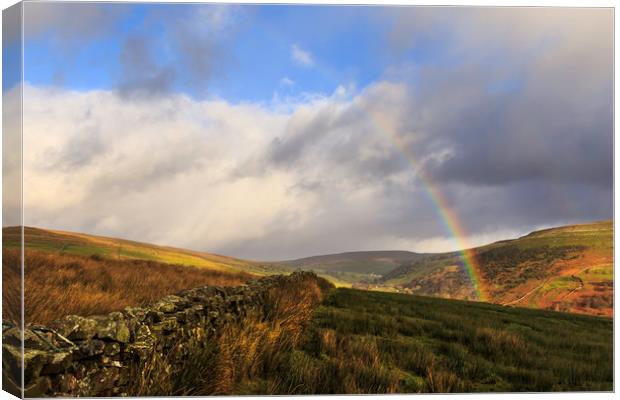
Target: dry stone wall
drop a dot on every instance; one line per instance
(93, 356)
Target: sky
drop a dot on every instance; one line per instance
(277, 132)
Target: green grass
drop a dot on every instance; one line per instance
(603, 273)
(373, 342)
(85, 245)
(510, 268)
(364, 263)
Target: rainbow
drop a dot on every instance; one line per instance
(448, 216)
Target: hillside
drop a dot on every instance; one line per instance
(566, 268)
(356, 265)
(371, 342)
(71, 243)
(60, 284)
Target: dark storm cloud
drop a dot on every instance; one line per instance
(525, 94)
(500, 138)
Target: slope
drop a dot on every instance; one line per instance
(567, 268)
(354, 266)
(61, 242)
(372, 342)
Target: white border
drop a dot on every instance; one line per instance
(510, 3)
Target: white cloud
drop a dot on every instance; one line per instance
(301, 57)
(11, 160)
(286, 81)
(198, 174)
(265, 181)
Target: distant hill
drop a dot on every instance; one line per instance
(567, 268)
(364, 262)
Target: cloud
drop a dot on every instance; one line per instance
(70, 23)
(519, 95)
(141, 75)
(510, 121)
(190, 51)
(261, 182)
(301, 57)
(286, 81)
(11, 157)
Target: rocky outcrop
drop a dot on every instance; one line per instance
(94, 356)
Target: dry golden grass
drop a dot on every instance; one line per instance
(58, 285)
(240, 353)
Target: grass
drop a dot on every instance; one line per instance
(315, 339)
(372, 342)
(59, 242)
(235, 360)
(543, 261)
(62, 284)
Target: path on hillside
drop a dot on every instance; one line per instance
(579, 281)
(574, 276)
(526, 294)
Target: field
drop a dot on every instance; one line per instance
(372, 342)
(62, 284)
(326, 340)
(564, 269)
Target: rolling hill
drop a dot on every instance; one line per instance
(354, 266)
(567, 268)
(71, 243)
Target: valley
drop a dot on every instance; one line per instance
(436, 332)
(566, 268)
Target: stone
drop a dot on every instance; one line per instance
(135, 313)
(112, 349)
(153, 316)
(67, 383)
(34, 360)
(114, 328)
(74, 327)
(57, 363)
(104, 379)
(39, 388)
(12, 336)
(170, 304)
(143, 334)
(12, 360)
(181, 316)
(92, 356)
(167, 324)
(91, 348)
